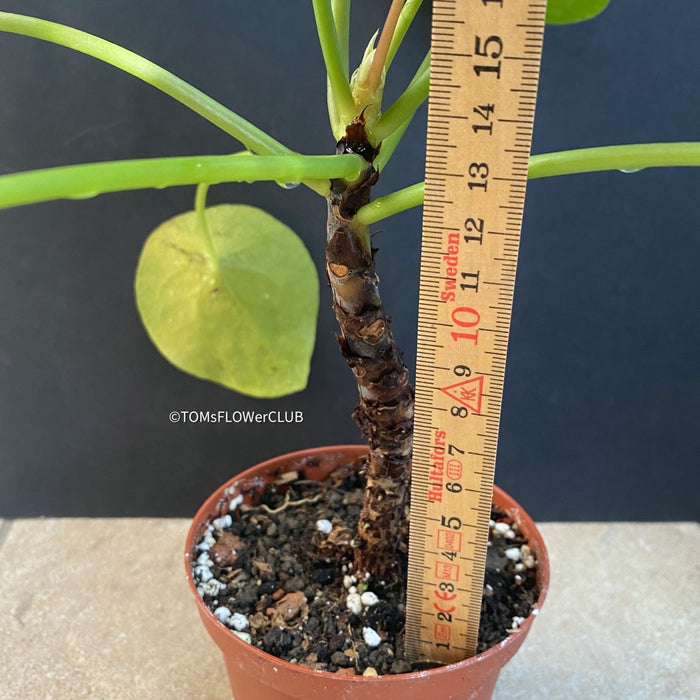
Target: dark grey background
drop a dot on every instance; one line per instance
(602, 405)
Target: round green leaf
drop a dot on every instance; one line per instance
(245, 316)
(570, 11)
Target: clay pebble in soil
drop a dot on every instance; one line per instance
(284, 583)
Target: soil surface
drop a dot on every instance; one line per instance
(279, 573)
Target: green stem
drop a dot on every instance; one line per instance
(340, 94)
(408, 12)
(200, 206)
(405, 106)
(630, 158)
(341, 18)
(249, 135)
(88, 180)
(390, 204)
(390, 143)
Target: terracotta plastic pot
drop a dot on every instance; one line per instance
(256, 675)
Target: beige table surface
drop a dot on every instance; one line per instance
(99, 609)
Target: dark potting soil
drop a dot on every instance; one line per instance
(279, 573)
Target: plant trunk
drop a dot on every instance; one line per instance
(385, 411)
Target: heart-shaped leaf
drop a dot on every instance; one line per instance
(240, 312)
(570, 11)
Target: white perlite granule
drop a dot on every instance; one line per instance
(203, 573)
(223, 521)
(235, 502)
(239, 622)
(324, 526)
(513, 553)
(212, 587)
(353, 602)
(222, 613)
(369, 599)
(205, 560)
(372, 639)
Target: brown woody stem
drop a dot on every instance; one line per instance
(385, 410)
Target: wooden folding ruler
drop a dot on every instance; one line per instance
(483, 85)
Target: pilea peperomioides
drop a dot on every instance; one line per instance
(218, 309)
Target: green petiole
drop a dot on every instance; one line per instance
(406, 105)
(390, 204)
(341, 18)
(82, 181)
(390, 143)
(341, 102)
(627, 158)
(89, 180)
(200, 206)
(249, 135)
(408, 12)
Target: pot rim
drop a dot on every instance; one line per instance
(213, 502)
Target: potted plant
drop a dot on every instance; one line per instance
(213, 236)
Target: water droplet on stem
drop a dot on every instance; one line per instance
(84, 195)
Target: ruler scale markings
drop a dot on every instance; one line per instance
(474, 192)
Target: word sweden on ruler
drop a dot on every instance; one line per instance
(483, 84)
